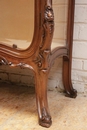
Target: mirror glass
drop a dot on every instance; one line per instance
(16, 22)
(60, 8)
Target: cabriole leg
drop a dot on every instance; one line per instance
(70, 92)
(41, 99)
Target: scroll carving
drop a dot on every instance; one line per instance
(3, 61)
(47, 33)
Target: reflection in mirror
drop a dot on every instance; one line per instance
(16, 22)
(60, 8)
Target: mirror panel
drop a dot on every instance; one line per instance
(60, 8)
(16, 22)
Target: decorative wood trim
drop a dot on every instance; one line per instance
(39, 57)
(47, 34)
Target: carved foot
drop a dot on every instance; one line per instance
(45, 120)
(71, 94)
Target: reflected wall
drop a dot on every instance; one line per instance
(60, 8)
(16, 22)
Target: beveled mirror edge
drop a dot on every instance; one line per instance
(13, 51)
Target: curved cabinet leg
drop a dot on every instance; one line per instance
(70, 92)
(41, 99)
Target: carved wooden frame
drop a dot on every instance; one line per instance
(39, 58)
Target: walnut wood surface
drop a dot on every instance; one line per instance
(39, 57)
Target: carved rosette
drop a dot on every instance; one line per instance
(47, 33)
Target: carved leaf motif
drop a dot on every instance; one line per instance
(49, 16)
(3, 61)
(48, 27)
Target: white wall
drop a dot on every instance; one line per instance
(79, 73)
(79, 64)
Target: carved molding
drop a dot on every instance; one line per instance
(3, 61)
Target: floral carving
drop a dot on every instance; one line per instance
(49, 14)
(49, 17)
(47, 32)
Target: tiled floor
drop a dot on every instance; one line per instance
(18, 110)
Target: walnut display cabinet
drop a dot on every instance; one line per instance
(26, 41)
